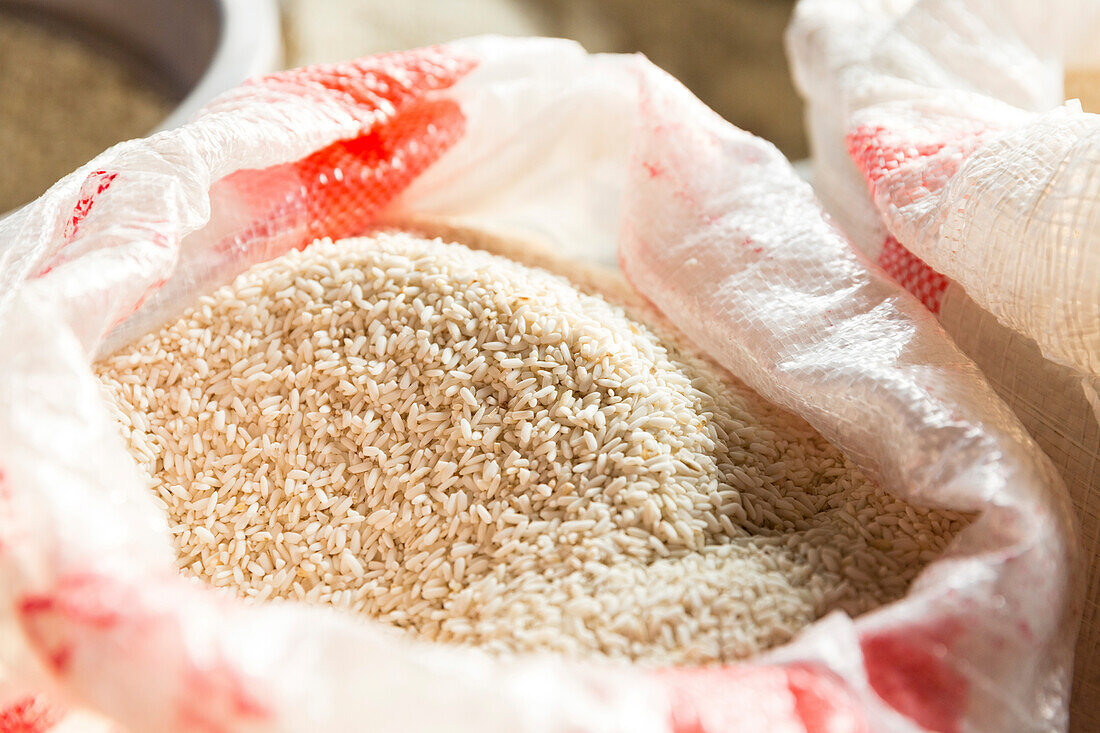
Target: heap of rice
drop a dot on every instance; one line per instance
(478, 452)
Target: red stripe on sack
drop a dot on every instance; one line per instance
(377, 166)
(822, 704)
(878, 150)
(30, 714)
(96, 183)
(105, 614)
(904, 164)
(53, 621)
(913, 274)
(907, 669)
(341, 189)
(215, 700)
(381, 83)
(794, 699)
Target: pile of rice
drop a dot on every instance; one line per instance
(478, 452)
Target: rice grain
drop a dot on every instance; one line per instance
(479, 452)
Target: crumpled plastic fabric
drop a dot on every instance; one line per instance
(952, 111)
(608, 158)
(942, 145)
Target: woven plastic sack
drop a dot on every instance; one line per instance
(942, 145)
(607, 157)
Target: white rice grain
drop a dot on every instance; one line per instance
(481, 453)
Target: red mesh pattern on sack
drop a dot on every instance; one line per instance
(913, 274)
(379, 84)
(339, 190)
(790, 699)
(929, 154)
(73, 623)
(78, 602)
(97, 183)
(877, 151)
(30, 714)
(907, 669)
(904, 164)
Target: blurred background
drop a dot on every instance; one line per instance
(729, 52)
(77, 76)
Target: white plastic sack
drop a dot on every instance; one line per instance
(605, 156)
(983, 200)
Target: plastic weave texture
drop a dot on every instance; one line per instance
(608, 157)
(943, 147)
